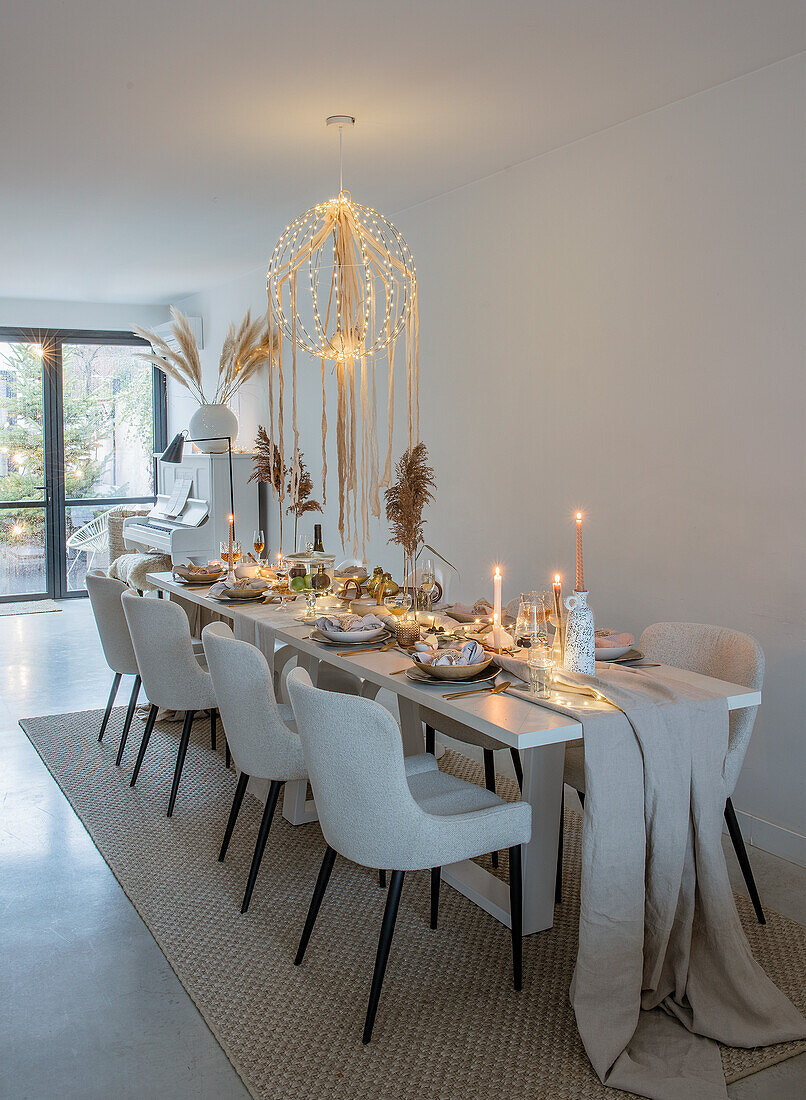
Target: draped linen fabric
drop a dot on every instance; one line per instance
(663, 967)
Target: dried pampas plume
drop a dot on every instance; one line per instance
(412, 489)
(245, 350)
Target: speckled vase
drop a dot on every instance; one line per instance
(580, 645)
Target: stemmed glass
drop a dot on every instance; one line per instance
(259, 543)
(530, 625)
(281, 571)
(224, 553)
(428, 584)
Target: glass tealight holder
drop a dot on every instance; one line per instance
(541, 668)
(407, 631)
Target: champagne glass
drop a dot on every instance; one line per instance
(399, 604)
(428, 584)
(259, 543)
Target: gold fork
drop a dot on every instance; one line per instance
(496, 690)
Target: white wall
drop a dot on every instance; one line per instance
(618, 326)
(112, 316)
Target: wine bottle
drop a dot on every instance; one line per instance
(317, 539)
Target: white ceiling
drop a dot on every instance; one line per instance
(152, 148)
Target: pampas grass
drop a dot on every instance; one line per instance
(245, 350)
(412, 489)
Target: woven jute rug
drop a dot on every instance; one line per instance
(28, 607)
(449, 1022)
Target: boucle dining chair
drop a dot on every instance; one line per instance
(376, 811)
(449, 727)
(172, 676)
(260, 732)
(107, 610)
(726, 655)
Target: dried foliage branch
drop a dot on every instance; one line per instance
(301, 502)
(268, 468)
(412, 489)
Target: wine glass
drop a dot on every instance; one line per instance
(399, 604)
(224, 552)
(428, 584)
(259, 543)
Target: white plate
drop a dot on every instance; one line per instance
(238, 599)
(419, 677)
(612, 654)
(200, 581)
(352, 637)
(318, 636)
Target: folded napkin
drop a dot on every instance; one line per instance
(349, 623)
(471, 653)
(610, 639)
(252, 587)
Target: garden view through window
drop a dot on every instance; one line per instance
(77, 423)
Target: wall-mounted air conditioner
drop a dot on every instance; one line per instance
(165, 331)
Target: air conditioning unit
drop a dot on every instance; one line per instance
(166, 332)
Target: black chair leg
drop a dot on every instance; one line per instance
(212, 729)
(436, 875)
(318, 893)
(384, 943)
(227, 756)
(382, 879)
(109, 704)
(240, 791)
(152, 717)
(128, 723)
(262, 836)
(489, 783)
(516, 763)
(516, 914)
(180, 759)
(430, 739)
(558, 882)
(744, 862)
(581, 799)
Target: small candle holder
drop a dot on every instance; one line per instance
(407, 631)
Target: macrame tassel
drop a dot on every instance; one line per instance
(374, 495)
(341, 440)
(324, 437)
(386, 480)
(272, 364)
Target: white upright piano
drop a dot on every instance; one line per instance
(196, 531)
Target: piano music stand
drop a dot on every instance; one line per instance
(175, 449)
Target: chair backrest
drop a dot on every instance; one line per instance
(719, 652)
(171, 675)
(261, 743)
(113, 630)
(354, 755)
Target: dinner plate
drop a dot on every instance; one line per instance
(612, 654)
(419, 677)
(622, 653)
(318, 636)
(238, 599)
(200, 581)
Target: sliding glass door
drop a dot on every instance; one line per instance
(80, 419)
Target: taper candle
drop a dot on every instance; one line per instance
(580, 574)
(497, 593)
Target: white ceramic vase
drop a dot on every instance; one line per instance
(580, 645)
(212, 420)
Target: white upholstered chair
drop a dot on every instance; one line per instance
(377, 811)
(726, 655)
(172, 676)
(260, 733)
(104, 594)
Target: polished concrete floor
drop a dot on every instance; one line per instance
(90, 1008)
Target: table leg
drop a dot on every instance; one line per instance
(411, 727)
(542, 788)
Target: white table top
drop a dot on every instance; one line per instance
(506, 718)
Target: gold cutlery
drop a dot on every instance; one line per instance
(496, 690)
(368, 649)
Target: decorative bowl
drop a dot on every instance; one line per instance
(201, 576)
(454, 672)
(353, 636)
(248, 571)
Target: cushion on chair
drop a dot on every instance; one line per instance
(133, 568)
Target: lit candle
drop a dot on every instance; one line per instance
(580, 574)
(558, 608)
(496, 631)
(497, 593)
(230, 567)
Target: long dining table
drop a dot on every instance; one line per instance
(539, 735)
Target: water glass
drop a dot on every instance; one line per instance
(541, 666)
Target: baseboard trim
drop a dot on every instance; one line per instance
(773, 838)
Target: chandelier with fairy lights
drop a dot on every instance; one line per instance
(342, 288)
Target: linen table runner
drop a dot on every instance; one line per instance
(663, 966)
